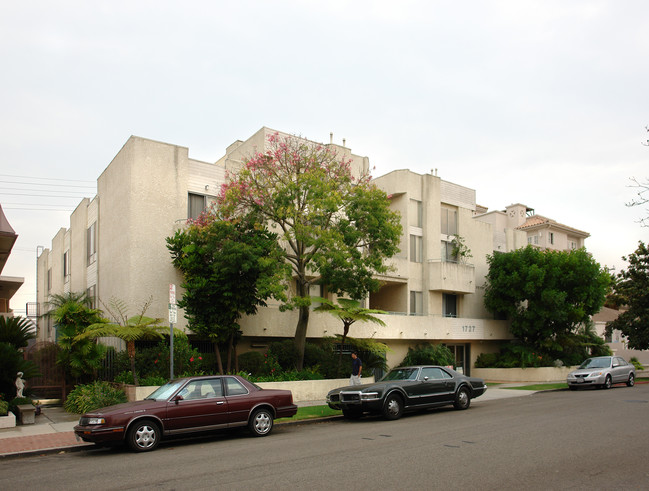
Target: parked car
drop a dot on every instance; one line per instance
(602, 371)
(407, 389)
(187, 405)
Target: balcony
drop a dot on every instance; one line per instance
(446, 276)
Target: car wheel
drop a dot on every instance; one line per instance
(261, 422)
(144, 435)
(352, 413)
(393, 407)
(631, 381)
(607, 382)
(462, 399)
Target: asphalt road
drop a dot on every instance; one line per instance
(591, 439)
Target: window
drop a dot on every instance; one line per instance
(416, 213)
(195, 205)
(91, 243)
(449, 305)
(449, 221)
(66, 266)
(447, 252)
(416, 245)
(49, 280)
(92, 296)
(533, 240)
(434, 373)
(551, 237)
(234, 387)
(202, 389)
(416, 303)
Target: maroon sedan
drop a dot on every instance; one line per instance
(188, 405)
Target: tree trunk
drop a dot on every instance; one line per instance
(230, 352)
(300, 335)
(345, 332)
(130, 347)
(217, 352)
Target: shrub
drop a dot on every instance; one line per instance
(4, 408)
(636, 363)
(285, 352)
(251, 362)
(429, 354)
(153, 380)
(487, 360)
(85, 398)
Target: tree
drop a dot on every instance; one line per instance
(337, 229)
(16, 331)
(72, 314)
(633, 288)
(348, 311)
(547, 294)
(230, 267)
(128, 329)
(641, 198)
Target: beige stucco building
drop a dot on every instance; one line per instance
(115, 248)
(9, 285)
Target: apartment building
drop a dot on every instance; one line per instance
(115, 248)
(9, 285)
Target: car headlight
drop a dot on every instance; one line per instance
(96, 421)
(596, 374)
(369, 395)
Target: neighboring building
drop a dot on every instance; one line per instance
(9, 285)
(616, 340)
(540, 231)
(115, 248)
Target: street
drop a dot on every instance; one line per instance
(590, 439)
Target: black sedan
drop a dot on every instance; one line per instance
(407, 389)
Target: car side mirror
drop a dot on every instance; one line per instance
(426, 379)
(177, 398)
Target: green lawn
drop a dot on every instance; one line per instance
(311, 412)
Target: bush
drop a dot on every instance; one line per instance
(285, 352)
(153, 380)
(4, 408)
(487, 360)
(429, 354)
(251, 362)
(85, 398)
(636, 363)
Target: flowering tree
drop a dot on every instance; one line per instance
(337, 229)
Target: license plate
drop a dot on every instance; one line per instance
(580, 380)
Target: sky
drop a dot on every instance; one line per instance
(543, 103)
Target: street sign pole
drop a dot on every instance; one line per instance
(173, 318)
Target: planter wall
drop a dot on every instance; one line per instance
(303, 390)
(8, 421)
(542, 374)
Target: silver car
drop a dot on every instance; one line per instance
(602, 371)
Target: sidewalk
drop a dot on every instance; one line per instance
(53, 428)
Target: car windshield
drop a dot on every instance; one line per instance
(596, 363)
(165, 391)
(402, 374)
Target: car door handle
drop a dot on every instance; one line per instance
(218, 403)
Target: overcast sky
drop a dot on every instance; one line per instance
(543, 103)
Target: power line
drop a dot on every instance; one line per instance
(46, 184)
(76, 196)
(45, 178)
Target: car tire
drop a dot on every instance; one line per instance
(631, 381)
(393, 406)
(261, 422)
(608, 382)
(144, 435)
(352, 413)
(462, 399)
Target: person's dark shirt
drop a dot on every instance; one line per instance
(356, 366)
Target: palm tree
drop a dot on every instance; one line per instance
(128, 329)
(348, 311)
(72, 314)
(16, 331)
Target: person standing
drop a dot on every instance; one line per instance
(357, 368)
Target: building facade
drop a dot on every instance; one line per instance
(115, 248)
(9, 285)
